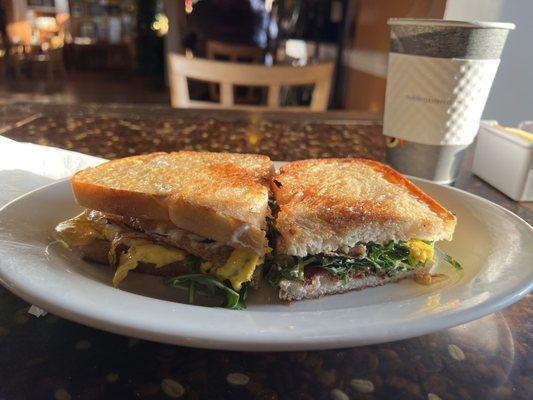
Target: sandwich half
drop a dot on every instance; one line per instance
(348, 224)
(196, 216)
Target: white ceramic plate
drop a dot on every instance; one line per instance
(494, 246)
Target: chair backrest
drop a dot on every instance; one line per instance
(234, 52)
(228, 74)
(222, 51)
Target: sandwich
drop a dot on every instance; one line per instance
(347, 224)
(197, 217)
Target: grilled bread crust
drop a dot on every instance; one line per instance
(333, 204)
(220, 196)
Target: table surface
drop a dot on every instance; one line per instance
(49, 357)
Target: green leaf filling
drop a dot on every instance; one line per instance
(207, 285)
(389, 259)
(449, 259)
(210, 286)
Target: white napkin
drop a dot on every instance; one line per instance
(26, 166)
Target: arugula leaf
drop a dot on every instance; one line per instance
(452, 261)
(208, 285)
(449, 259)
(389, 259)
(192, 262)
(281, 266)
(192, 291)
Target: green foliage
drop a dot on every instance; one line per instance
(449, 259)
(389, 259)
(210, 286)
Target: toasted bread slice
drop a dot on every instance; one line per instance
(333, 204)
(220, 196)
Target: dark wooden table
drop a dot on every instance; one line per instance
(50, 357)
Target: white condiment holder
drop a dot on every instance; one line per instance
(505, 161)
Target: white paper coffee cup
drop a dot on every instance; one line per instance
(439, 77)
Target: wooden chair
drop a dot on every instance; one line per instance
(222, 51)
(234, 52)
(229, 74)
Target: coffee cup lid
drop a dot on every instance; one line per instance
(451, 23)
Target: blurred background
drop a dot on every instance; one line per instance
(115, 51)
